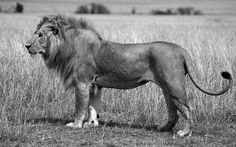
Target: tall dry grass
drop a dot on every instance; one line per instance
(28, 91)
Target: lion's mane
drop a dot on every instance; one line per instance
(64, 47)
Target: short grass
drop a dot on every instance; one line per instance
(34, 106)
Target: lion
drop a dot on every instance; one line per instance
(86, 62)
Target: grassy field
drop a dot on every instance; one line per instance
(34, 107)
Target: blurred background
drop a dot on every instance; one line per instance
(162, 7)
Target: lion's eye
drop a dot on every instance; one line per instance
(40, 34)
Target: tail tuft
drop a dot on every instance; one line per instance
(226, 75)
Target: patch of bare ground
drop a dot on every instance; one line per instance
(53, 132)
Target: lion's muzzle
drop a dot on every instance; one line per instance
(29, 48)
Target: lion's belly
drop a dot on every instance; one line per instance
(118, 84)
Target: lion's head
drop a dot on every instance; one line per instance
(48, 35)
(60, 40)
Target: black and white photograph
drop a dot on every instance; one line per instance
(114, 73)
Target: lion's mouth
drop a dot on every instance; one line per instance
(32, 52)
(41, 52)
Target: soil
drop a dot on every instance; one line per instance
(47, 132)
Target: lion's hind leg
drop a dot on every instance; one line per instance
(185, 111)
(172, 113)
(176, 99)
(179, 99)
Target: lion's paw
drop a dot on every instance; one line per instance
(89, 124)
(74, 125)
(182, 133)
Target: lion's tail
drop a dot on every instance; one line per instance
(224, 74)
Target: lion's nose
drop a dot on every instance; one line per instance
(27, 45)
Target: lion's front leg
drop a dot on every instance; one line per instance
(81, 104)
(94, 106)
